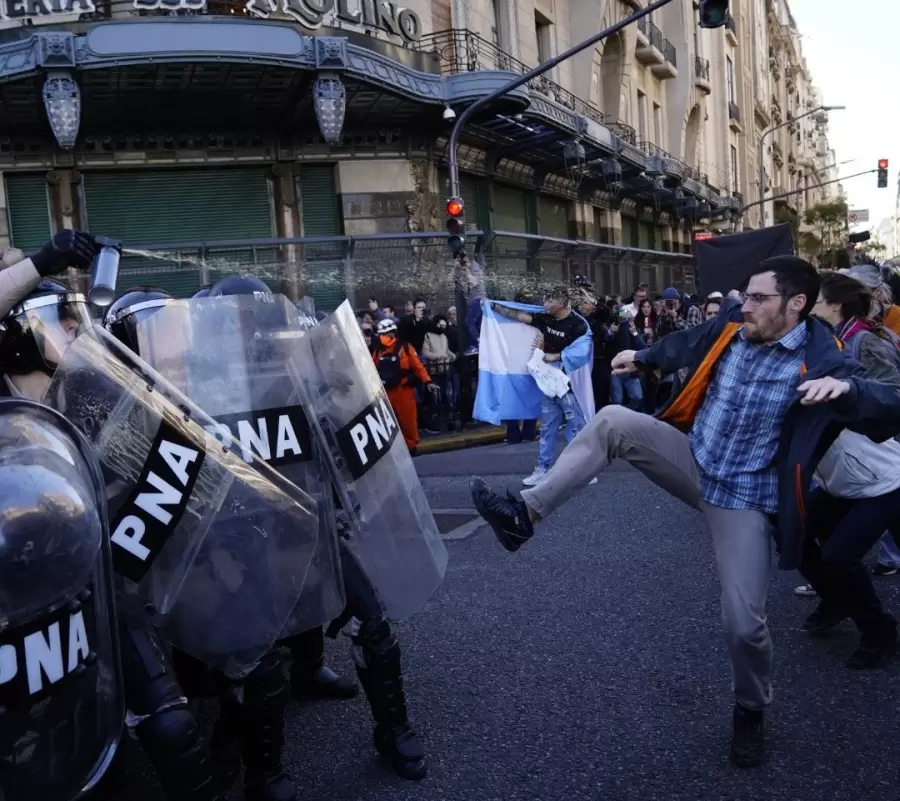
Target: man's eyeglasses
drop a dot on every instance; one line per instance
(756, 298)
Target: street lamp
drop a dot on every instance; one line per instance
(762, 141)
(62, 102)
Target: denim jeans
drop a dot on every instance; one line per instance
(626, 384)
(554, 413)
(886, 552)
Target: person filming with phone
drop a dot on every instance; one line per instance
(624, 335)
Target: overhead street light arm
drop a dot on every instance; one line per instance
(804, 189)
(453, 145)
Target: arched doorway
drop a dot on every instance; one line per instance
(612, 63)
(692, 137)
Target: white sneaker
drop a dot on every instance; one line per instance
(535, 477)
(805, 591)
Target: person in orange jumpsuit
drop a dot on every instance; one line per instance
(398, 363)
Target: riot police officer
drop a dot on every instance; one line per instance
(376, 648)
(38, 330)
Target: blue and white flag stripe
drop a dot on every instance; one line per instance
(506, 391)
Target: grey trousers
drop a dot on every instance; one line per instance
(741, 538)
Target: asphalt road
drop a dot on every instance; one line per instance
(590, 665)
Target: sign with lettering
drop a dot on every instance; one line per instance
(40, 657)
(19, 9)
(148, 518)
(277, 436)
(371, 15)
(368, 436)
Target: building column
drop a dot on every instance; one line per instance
(582, 225)
(5, 242)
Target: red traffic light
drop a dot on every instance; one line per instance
(882, 164)
(454, 207)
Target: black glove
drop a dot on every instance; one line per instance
(67, 249)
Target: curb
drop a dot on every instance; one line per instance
(456, 442)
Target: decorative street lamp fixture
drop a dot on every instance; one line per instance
(62, 102)
(330, 98)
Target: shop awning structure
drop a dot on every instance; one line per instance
(212, 76)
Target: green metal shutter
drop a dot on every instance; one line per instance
(553, 217)
(647, 235)
(320, 213)
(153, 208)
(510, 273)
(29, 210)
(630, 232)
(509, 209)
(468, 188)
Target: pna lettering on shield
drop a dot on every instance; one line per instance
(372, 435)
(159, 500)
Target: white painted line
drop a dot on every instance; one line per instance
(465, 530)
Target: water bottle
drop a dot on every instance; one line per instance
(105, 272)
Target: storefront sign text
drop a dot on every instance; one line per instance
(372, 15)
(19, 9)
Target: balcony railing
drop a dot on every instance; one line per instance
(731, 25)
(734, 111)
(701, 68)
(656, 38)
(669, 52)
(463, 51)
(625, 132)
(655, 151)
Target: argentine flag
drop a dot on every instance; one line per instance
(506, 390)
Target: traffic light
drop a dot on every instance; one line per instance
(456, 225)
(882, 173)
(713, 13)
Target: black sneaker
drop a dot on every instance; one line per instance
(506, 516)
(875, 647)
(885, 570)
(748, 740)
(823, 620)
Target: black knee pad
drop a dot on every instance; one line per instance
(173, 743)
(149, 680)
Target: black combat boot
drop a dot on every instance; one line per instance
(225, 743)
(261, 735)
(310, 676)
(382, 681)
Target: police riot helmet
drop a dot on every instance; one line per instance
(203, 292)
(38, 330)
(129, 309)
(239, 285)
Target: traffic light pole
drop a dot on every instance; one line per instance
(805, 188)
(515, 83)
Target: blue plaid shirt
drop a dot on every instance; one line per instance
(735, 435)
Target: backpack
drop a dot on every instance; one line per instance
(891, 340)
(389, 368)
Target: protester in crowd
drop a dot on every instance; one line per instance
(859, 492)
(633, 306)
(712, 307)
(413, 327)
(400, 368)
(368, 334)
(438, 359)
(558, 329)
(409, 308)
(599, 318)
(691, 311)
(645, 322)
(670, 318)
(735, 444)
(623, 334)
(474, 290)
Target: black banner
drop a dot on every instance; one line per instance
(277, 436)
(39, 658)
(146, 521)
(368, 436)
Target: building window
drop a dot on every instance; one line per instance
(729, 75)
(643, 133)
(543, 29)
(658, 124)
(595, 85)
(735, 183)
(495, 14)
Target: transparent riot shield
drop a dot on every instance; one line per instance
(61, 698)
(230, 358)
(396, 540)
(210, 550)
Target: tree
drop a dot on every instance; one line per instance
(828, 221)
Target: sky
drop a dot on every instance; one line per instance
(852, 53)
